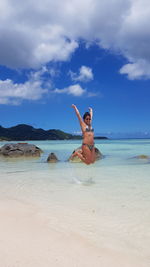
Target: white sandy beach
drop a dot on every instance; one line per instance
(28, 237)
(76, 229)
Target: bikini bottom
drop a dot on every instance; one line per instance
(89, 146)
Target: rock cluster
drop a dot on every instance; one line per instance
(20, 149)
(30, 150)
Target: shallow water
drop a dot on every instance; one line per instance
(110, 198)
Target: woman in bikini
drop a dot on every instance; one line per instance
(88, 151)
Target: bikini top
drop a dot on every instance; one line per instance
(88, 129)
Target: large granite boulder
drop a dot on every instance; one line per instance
(52, 158)
(19, 150)
(76, 159)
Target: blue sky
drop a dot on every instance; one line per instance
(51, 62)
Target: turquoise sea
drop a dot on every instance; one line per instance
(107, 202)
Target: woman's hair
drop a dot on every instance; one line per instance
(85, 115)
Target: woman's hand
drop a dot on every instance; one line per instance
(73, 106)
(76, 110)
(91, 112)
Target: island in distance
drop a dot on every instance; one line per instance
(24, 132)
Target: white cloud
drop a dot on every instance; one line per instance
(75, 90)
(14, 93)
(137, 70)
(93, 94)
(85, 74)
(37, 32)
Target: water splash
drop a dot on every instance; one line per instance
(87, 182)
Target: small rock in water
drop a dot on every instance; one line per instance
(142, 157)
(52, 158)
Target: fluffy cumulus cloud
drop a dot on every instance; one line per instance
(85, 74)
(137, 70)
(75, 90)
(36, 32)
(14, 93)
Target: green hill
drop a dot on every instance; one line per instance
(23, 132)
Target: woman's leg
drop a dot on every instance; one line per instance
(93, 155)
(87, 154)
(80, 156)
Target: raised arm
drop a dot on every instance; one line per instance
(78, 114)
(91, 112)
